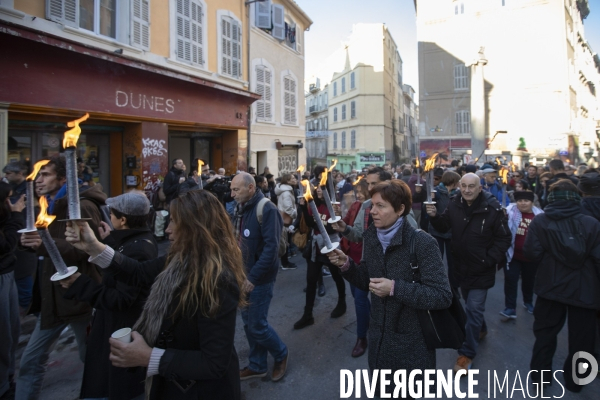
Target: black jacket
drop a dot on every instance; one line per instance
(9, 239)
(479, 241)
(591, 206)
(200, 353)
(118, 305)
(171, 183)
(577, 284)
(562, 175)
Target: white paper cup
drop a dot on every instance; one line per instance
(122, 335)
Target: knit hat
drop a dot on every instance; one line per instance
(438, 172)
(470, 169)
(560, 195)
(523, 195)
(590, 184)
(134, 203)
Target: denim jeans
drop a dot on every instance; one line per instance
(512, 272)
(362, 306)
(10, 328)
(34, 360)
(474, 308)
(262, 338)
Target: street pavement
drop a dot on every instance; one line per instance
(320, 351)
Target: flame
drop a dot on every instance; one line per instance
(307, 194)
(358, 180)
(476, 159)
(323, 178)
(44, 219)
(513, 167)
(417, 164)
(332, 166)
(36, 169)
(72, 135)
(300, 169)
(430, 163)
(504, 175)
(498, 161)
(200, 164)
(504, 158)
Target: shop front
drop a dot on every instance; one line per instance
(366, 160)
(141, 116)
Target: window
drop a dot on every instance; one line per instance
(343, 139)
(353, 139)
(190, 25)
(334, 89)
(463, 122)
(353, 109)
(335, 140)
(325, 124)
(264, 87)
(278, 31)
(289, 99)
(230, 47)
(140, 24)
(343, 85)
(98, 16)
(262, 14)
(459, 7)
(461, 80)
(352, 81)
(335, 114)
(343, 112)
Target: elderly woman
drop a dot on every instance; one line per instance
(396, 340)
(286, 203)
(185, 334)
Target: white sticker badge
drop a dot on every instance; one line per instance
(246, 233)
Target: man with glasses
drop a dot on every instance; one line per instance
(480, 239)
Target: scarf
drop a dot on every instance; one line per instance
(385, 236)
(238, 215)
(558, 195)
(62, 192)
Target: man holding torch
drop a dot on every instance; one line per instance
(56, 313)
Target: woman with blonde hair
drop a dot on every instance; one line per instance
(185, 335)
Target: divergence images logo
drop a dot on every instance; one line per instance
(583, 368)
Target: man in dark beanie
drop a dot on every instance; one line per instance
(566, 244)
(589, 184)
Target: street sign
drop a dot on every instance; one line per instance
(422, 154)
(563, 153)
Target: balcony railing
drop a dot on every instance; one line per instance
(313, 109)
(316, 134)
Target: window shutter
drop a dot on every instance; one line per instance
(289, 100)
(236, 49)
(197, 37)
(63, 11)
(335, 140)
(190, 36)
(225, 46)
(278, 21)
(353, 139)
(262, 12)
(352, 81)
(260, 90)
(353, 109)
(140, 24)
(343, 139)
(268, 95)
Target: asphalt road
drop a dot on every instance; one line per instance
(319, 352)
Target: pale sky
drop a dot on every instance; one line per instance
(333, 20)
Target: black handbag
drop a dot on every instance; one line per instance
(442, 329)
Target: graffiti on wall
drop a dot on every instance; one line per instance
(287, 161)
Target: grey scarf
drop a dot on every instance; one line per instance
(385, 235)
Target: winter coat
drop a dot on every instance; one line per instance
(171, 183)
(395, 337)
(514, 219)
(576, 284)
(442, 199)
(55, 309)
(591, 206)
(118, 305)
(200, 355)
(562, 175)
(286, 200)
(26, 258)
(9, 239)
(479, 242)
(318, 241)
(352, 249)
(496, 190)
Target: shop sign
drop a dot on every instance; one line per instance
(372, 158)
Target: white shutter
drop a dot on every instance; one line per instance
(278, 22)
(197, 37)
(236, 49)
(262, 12)
(268, 95)
(260, 90)
(289, 100)
(190, 36)
(225, 46)
(63, 11)
(140, 24)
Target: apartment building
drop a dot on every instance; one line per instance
(317, 123)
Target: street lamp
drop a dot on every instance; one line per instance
(490, 142)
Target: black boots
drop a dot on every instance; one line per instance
(340, 309)
(306, 320)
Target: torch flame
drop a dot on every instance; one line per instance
(498, 161)
(358, 180)
(323, 178)
(72, 135)
(504, 158)
(36, 168)
(200, 164)
(332, 166)
(513, 167)
(307, 194)
(430, 163)
(300, 169)
(44, 219)
(504, 175)
(417, 163)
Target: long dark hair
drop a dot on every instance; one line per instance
(5, 211)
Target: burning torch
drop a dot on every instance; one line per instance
(331, 184)
(300, 187)
(429, 167)
(30, 227)
(329, 246)
(333, 218)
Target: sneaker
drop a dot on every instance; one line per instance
(288, 266)
(247, 373)
(463, 362)
(326, 272)
(529, 307)
(509, 313)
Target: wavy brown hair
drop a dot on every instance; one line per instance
(205, 243)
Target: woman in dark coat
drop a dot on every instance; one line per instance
(186, 331)
(118, 304)
(396, 340)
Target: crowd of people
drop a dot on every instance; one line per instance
(229, 237)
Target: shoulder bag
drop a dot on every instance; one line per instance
(442, 329)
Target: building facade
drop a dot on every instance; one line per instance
(510, 78)
(317, 124)
(160, 79)
(277, 75)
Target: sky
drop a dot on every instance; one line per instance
(333, 20)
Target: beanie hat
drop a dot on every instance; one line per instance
(523, 195)
(470, 169)
(590, 184)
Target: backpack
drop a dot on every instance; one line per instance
(568, 242)
(283, 239)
